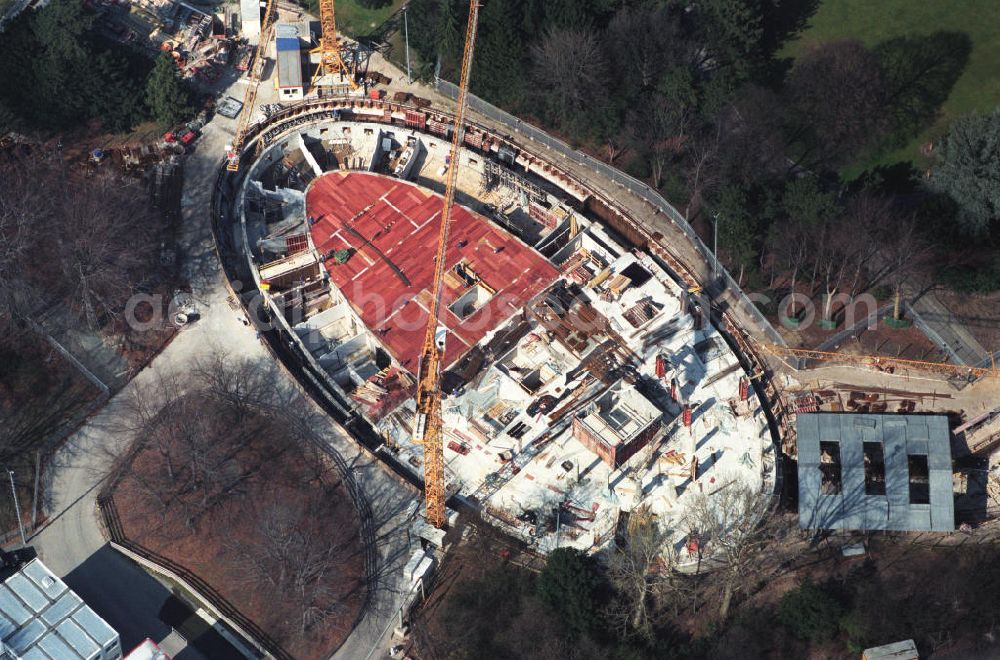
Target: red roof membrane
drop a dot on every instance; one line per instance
(391, 228)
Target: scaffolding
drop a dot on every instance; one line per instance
(495, 174)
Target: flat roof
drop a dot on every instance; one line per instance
(41, 617)
(854, 507)
(621, 414)
(392, 226)
(289, 61)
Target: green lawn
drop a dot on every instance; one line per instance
(356, 20)
(875, 21)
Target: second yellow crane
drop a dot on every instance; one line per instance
(233, 151)
(331, 62)
(881, 361)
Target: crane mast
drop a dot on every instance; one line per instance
(330, 61)
(250, 96)
(429, 425)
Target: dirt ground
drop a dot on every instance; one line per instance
(907, 343)
(222, 545)
(924, 570)
(484, 550)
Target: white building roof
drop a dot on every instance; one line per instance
(40, 617)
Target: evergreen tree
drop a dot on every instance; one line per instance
(567, 584)
(423, 17)
(575, 13)
(55, 72)
(62, 81)
(805, 202)
(968, 170)
(450, 38)
(119, 102)
(810, 612)
(499, 66)
(738, 227)
(166, 95)
(732, 32)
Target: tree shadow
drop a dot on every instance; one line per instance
(920, 73)
(900, 178)
(782, 21)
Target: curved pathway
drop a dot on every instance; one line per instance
(72, 544)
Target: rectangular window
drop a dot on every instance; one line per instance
(874, 455)
(920, 483)
(829, 467)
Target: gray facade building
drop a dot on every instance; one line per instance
(875, 472)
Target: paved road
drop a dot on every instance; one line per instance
(72, 544)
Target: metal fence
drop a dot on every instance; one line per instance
(226, 610)
(606, 172)
(932, 334)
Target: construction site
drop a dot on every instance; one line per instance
(511, 346)
(515, 339)
(580, 381)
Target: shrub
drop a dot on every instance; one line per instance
(567, 584)
(810, 612)
(973, 279)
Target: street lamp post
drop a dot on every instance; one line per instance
(406, 31)
(17, 508)
(715, 245)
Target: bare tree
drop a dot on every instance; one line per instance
(34, 404)
(753, 145)
(904, 255)
(731, 528)
(657, 130)
(839, 96)
(859, 244)
(84, 240)
(103, 248)
(244, 385)
(296, 557)
(212, 434)
(569, 69)
(642, 42)
(22, 204)
(702, 167)
(642, 571)
(790, 243)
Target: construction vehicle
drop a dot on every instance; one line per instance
(331, 62)
(234, 150)
(429, 424)
(880, 362)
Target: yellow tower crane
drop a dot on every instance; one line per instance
(879, 361)
(429, 426)
(331, 63)
(250, 96)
